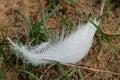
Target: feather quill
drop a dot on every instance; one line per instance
(69, 50)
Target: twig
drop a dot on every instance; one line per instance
(45, 71)
(102, 7)
(86, 68)
(91, 69)
(96, 70)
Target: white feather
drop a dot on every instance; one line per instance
(69, 50)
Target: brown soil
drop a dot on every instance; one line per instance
(10, 23)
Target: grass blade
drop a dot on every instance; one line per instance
(31, 74)
(63, 71)
(67, 22)
(72, 2)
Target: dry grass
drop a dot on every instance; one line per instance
(102, 61)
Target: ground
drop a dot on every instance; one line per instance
(101, 63)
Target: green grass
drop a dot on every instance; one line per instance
(38, 33)
(3, 56)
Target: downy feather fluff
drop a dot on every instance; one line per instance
(69, 50)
